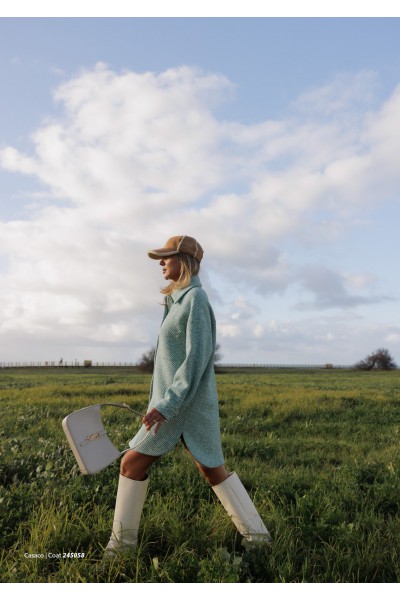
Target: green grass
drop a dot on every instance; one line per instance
(318, 452)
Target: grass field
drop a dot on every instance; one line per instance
(318, 452)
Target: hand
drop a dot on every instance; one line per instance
(151, 418)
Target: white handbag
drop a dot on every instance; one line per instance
(89, 440)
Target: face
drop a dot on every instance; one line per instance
(171, 268)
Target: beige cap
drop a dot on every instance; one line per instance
(176, 245)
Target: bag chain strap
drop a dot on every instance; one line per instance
(137, 413)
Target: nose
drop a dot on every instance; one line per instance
(162, 262)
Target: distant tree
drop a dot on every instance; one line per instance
(218, 356)
(380, 359)
(146, 361)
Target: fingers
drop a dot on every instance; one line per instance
(153, 419)
(157, 427)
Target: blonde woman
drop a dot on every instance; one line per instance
(183, 403)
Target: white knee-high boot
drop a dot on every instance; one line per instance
(131, 496)
(242, 511)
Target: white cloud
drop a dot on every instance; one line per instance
(330, 289)
(346, 95)
(393, 338)
(135, 158)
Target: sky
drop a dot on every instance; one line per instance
(275, 142)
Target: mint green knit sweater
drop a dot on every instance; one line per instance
(183, 387)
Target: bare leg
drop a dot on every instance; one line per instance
(135, 465)
(213, 475)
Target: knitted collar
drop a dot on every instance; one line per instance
(178, 294)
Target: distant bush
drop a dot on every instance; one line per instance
(146, 361)
(218, 356)
(380, 359)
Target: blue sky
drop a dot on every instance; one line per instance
(273, 141)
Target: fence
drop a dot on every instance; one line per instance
(228, 366)
(61, 365)
(281, 366)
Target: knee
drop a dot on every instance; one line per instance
(130, 469)
(125, 467)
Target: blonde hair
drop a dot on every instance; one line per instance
(189, 267)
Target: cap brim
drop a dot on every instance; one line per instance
(162, 253)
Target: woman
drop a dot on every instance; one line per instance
(183, 403)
